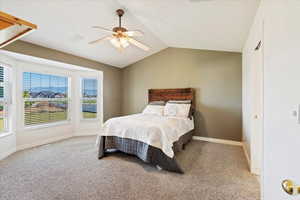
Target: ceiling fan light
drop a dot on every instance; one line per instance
(115, 42)
(124, 42)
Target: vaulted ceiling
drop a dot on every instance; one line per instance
(65, 25)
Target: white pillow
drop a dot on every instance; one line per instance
(154, 109)
(177, 110)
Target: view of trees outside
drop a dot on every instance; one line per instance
(45, 98)
(89, 98)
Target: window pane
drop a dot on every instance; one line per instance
(2, 119)
(89, 101)
(89, 108)
(59, 87)
(51, 105)
(3, 109)
(26, 84)
(1, 82)
(89, 88)
(44, 86)
(36, 112)
(58, 110)
(35, 85)
(40, 112)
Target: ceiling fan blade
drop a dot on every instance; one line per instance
(104, 29)
(138, 44)
(135, 33)
(100, 40)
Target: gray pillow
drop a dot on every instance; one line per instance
(158, 103)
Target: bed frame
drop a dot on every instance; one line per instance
(154, 155)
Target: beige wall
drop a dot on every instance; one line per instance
(112, 75)
(216, 77)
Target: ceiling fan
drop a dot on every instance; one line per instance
(121, 37)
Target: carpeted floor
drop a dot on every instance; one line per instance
(70, 170)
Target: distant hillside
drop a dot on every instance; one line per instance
(56, 92)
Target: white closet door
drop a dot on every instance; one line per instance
(257, 108)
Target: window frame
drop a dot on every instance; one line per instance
(49, 124)
(98, 98)
(7, 100)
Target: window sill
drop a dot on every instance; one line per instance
(5, 134)
(42, 126)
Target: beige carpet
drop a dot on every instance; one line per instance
(70, 170)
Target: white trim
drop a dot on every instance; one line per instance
(47, 125)
(247, 155)
(255, 171)
(219, 141)
(48, 141)
(44, 61)
(5, 134)
(7, 153)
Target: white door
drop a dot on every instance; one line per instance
(281, 97)
(257, 112)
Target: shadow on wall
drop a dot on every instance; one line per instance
(216, 122)
(199, 119)
(200, 124)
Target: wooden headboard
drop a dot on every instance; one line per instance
(172, 94)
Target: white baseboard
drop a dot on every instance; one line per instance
(255, 171)
(7, 153)
(55, 139)
(247, 156)
(219, 141)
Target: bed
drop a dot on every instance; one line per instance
(154, 139)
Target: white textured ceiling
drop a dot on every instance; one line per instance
(65, 25)
(198, 24)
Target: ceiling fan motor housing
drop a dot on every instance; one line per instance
(119, 29)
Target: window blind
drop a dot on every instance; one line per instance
(45, 98)
(3, 103)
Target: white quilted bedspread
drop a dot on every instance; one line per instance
(155, 130)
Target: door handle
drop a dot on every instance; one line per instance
(289, 187)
